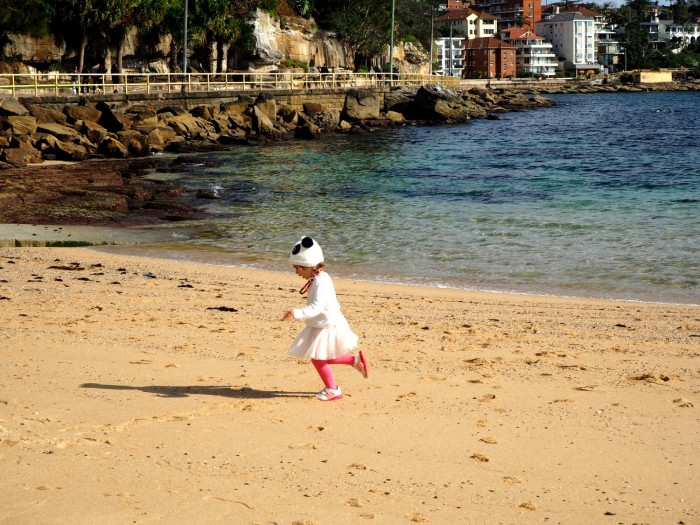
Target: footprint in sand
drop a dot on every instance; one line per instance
(489, 440)
(683, 403)
(511, 480)
(480, 458)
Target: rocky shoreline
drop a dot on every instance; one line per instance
(84, 164)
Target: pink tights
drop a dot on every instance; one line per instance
(325, 371)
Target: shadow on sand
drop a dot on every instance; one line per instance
(185, 391)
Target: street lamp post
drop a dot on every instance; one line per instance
(432, 17)
(184, 54)
(391, 39)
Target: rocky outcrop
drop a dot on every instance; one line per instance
(82, 131)
(111, 192)
(91, 193)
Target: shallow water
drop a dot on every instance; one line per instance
(598, 197)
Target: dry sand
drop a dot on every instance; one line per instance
(145, 391)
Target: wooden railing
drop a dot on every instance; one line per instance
(67, 84)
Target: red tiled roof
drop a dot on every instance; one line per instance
(463, 14)
(514, 33)
(489, 42)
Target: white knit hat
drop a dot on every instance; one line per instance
(306, 252)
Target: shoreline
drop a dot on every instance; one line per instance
(164, 392)
(130, 241)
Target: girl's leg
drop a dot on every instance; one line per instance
(325, 372)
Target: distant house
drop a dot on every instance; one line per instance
(468, 23)
(489, 57)
(533, 55)
(463, 25)
(664, 30)
(450, 56)
(520, 13)
(573, 38)
(609, 53)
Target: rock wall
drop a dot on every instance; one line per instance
(298, 40)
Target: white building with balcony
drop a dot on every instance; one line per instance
(661, 30)
(573, 38)
(468, 23)
(450, 56)
(534, 56)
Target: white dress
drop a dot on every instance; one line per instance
(327, 333)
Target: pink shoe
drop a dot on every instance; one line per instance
(361, 365)
(329, 394)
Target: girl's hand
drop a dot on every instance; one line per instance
(288, 315)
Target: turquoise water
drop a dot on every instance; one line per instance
(598, 197)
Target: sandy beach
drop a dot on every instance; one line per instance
(144, 391)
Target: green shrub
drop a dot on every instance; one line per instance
(286, 64)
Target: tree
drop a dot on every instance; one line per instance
(78, 23)
(26, 17)
(365, 25)
(636, 45)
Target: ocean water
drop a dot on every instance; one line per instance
(597, 197)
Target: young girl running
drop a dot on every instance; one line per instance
(327, 338)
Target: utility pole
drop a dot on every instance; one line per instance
(184, 55)
(391, 45)
(432, 16)
(450, 48)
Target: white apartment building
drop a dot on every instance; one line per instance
(468, 23)
(450, 56)
(573, 38)
(534, 56)
(609, 51)
(675, 35)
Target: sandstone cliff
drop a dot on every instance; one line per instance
(293, 39)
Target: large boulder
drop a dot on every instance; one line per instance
(93, 131)
(70, 151)
(59, 131)
(327, 120)
(361, 105)
(42, 114)
(141, 114)
(160, 136)
(238, 114)
(190, 127)
(399, 97)
(19, 153)
(11, 107)
(171, 111)
(112, 120)
(25, 125)
(84, 113)
(136, 143)
(267, 104)
(435, 102)
(111, 147)
(261, 122)
(204, 112)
